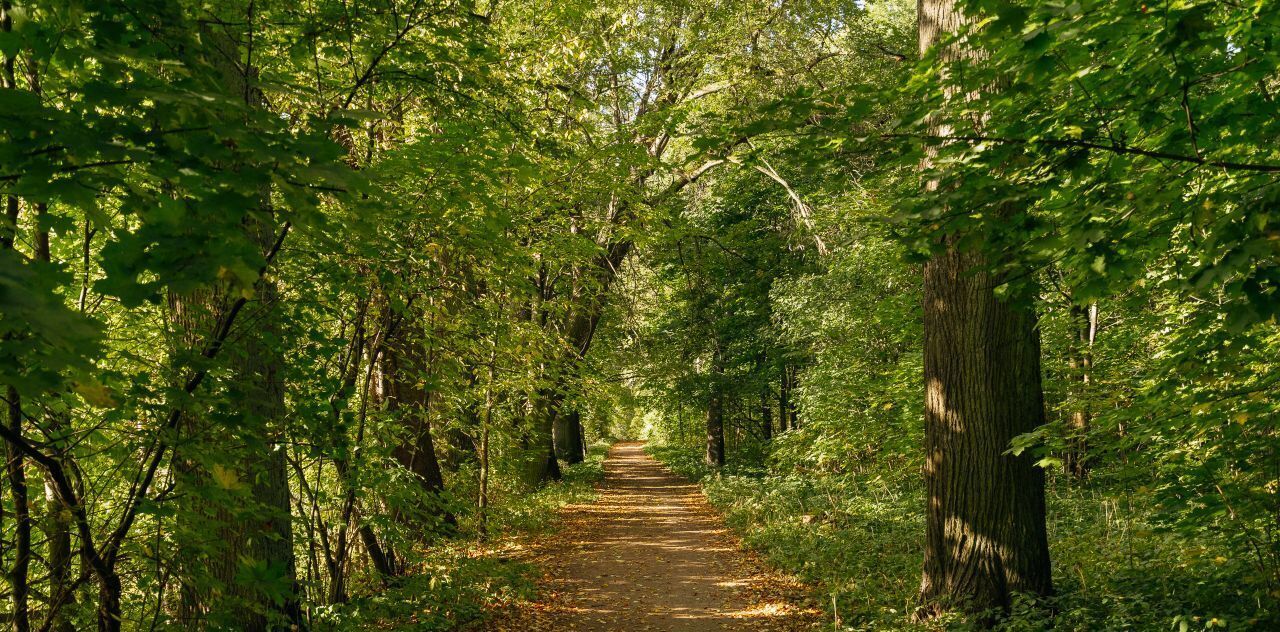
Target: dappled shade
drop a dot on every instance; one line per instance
(651, 554)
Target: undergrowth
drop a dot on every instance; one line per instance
(461, 579)
(857, 539)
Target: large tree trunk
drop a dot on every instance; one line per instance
(985, 518)
(580, 331)
(986, 513)
(253, 525)
(259, 533)
(266, 535)
(405, 371)
(541, 464)
(569, 437)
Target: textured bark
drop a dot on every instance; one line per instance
(790, 411)
(268, 534)
(486, 422)
(257, 528)
(986, 514)
(715, 414)
(569, 437)
(542, 465)
(794, 404)
(405, 368)
(580, 331)
(259, 532)
(191, 315)
(57, 528)
(985, 519)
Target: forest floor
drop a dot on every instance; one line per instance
(651, 554)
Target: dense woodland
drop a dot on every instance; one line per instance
(964, 312)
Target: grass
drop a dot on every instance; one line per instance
(857, 539)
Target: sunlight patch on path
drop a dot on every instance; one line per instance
(651, 554)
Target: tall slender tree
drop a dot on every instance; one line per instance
(715, 410)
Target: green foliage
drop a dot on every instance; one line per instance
(464, 582)
(857, 538)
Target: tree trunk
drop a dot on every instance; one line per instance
(16, 468)
(784, 403)
(541, 463)
(1085, 322)
(580, 331)
(405, 371)
(766, 412)
(569, 437)
(256, 537)
(57, 519)
(482, 501)
(715, 413)
(985, 518)
(15, 464)
(57, 528)
(267, 535)
(791, 411)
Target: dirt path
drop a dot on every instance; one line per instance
(651, 554)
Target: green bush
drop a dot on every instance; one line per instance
(857, 540)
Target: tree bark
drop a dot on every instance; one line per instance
(1085, 324)
(569, 437)
(541, 464)
(580, 331)
(16, 468)
(267, 535)
(15, 464)
(784, 403)
(985, 518)
(57, 519)
(715, 413)
(766, 413)
(405, 370)
(261, 533)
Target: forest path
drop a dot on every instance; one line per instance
(651, 554)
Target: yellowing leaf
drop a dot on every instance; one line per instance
(95, 394)
(225, 477)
